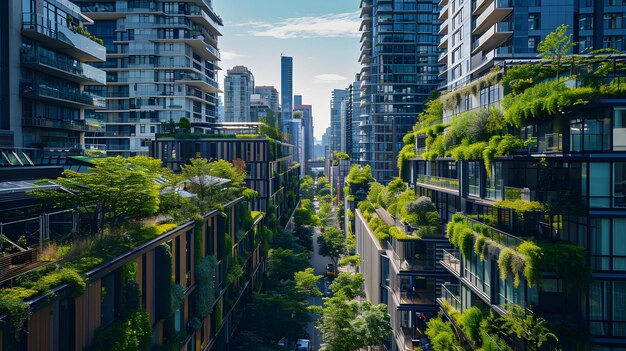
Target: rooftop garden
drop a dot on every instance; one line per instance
(532, 92)
(129, 201)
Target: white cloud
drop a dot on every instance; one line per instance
(330, 77)
(229, 55)
(334, 25)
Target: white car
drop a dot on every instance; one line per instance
(303, 345)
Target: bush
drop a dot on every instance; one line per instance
(131, 333)
(470, 322)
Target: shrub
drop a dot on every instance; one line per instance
(480, 246)
(465, 241)
(375, 223)
(504, 262)
(131, 333)
(470, 322)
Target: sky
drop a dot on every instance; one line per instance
(322, 36)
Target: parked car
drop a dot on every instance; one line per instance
(330, 270)
(303, 345)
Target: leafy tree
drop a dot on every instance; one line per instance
(199, 174)
(304, 237)
(375, 190)
(534, 331)
(421, 207)
(341, 156)
(353, 260)
(283, 264)
(303, 216)
(348, 285)
(114, 188)
(373, 324)
(332, 243)
(184, 124)
(358, 175)
(556, 46)
(306, 283)
(285, 239)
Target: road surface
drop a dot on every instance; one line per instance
(319, 266)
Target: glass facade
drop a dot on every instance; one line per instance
(399, 58)
(161, 66)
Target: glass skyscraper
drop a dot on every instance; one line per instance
(238, 87)
(286, 92)
(399, 69)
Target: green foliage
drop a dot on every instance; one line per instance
(533, 255)
(480, 246)
(332, 243)
(504, 262)
(306, 283)
(358, 175)
(441, 335)
(556, 46)
(11, 304)
(352, 260)
(184, 124)
(304, 216)
(452, 99)
(409, 138)
(518, 78)
(131, 333)
(205, 272)
(341, 155)
(382, 233)
(85, 33)
(283, 264)
(348, 286)
(525, 326)
(470, 322)
(521, 206)
(420, 208)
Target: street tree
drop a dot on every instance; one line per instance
(306, 283)
(348, 285)
(283, 264)
(332, 244)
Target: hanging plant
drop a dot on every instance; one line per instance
(504, 262)
(480, 246)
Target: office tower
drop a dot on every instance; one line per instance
(399, 70)
(238, 87)
(336, 142)
(45, 56)
(307, 126)
(286, 93)
(161, 67)
(270, 95)
(297, 100)
(353, 118)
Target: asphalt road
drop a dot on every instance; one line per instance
(319, 266)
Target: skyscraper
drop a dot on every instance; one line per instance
(238, 87)
(161, 66)
(286, 93)
(353, 119)
(307, 125)
(399, 58)
(270, 95)
(337, 98)
(46, 57)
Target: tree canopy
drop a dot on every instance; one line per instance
(332, 243)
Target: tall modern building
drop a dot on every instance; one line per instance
(307, 126)
(338, 105)
(353, 119)
(476, 37)
(286, 93)
(162, 63)
(399, 69)
(270, 95)
(238, 87)
(46, 55)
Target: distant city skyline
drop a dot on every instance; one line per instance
(255, 35)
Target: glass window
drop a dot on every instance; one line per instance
(600, 243)
(619, 129)
(619, 244)
(599, 307)
(619, 308)
(599, 184)
(533, 21)
(619, 184)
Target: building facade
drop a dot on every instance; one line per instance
(47, 57)
(286, 93)
(270, 166)
(238, 89)
(270, 95)
(353, 120)
(399, 70)
(307, 130)
(162, 63)
(338, 101)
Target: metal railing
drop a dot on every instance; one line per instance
(451, 294)
(448, 183)
(496, 235)
(452, 260)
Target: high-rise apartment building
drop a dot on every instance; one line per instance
(399, 69)
(286, 93)
(270, 95)
(45, 57)
(353, 119)
(338, 105)
(307, 126)
(162, 63)
(238, 87)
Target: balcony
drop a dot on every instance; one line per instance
(443, 13)
(452, 262)
(40, 122)
(443, 28)
(196, 39)
(443, 57)
(440, 182)
(199, 81)
(451, 294)
(200, 16)
(493, 13)
(416, 298)
(50, 92)
(493, 38)
(62, 66)
(61, 38)
(496, 235)
(443, 42)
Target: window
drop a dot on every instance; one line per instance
(532, 43)
(613, 42)
(533, 21)
(613, 21)
(599, 184)
(585, 22)
(619, 185)
(474, 178)
(619, 129)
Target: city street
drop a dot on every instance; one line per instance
(318, 263)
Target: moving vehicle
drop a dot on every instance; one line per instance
(303, 345)
(330, 270)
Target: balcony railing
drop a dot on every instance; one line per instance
(34, 55)
(48, 90)
(451, 294)
(40, 122)
(448, 183)
(496, 235)
(416, 298)
(452, 261)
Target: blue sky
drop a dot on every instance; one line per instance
(321, 35)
